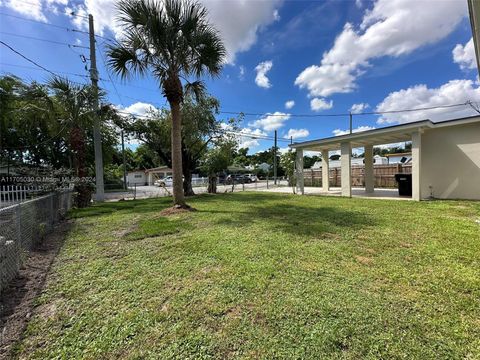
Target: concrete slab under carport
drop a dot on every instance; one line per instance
(357, 192)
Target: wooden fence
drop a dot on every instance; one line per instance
(384, 175)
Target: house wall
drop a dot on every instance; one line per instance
(450, 162)
(136, 177)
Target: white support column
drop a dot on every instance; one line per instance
(369, 179)
(299, 172)
(345, 163)
(325, 171)
(416, 164)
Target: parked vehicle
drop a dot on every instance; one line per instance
(252, 177)
(238, 179)
(168, 181)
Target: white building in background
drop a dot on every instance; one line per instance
(445, 157)
(377, 160)
(136, 177)
(399, 158)
(148, 176)
(263, 166)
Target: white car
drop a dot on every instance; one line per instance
(252, 177)
(168, 181)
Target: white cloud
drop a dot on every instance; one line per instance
(247, 141)
(262, 69)
(358, 4)
(237, 21)
(271, 121)
(317, 104)
(359, 108)
(297, 133)
(241, 72)
(139, 109)
(338, 132)
(420, 96)
(390, 28)
(289, 104)
(464, 55)
(276, 15)
(34, 9)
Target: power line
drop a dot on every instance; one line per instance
(345, 114)
(45, 40)
(108, 74)
(26, 58)
(37, 64)
(34, 68)
(43, 23)
(55, 25)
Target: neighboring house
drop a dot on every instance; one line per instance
(136, 177)
(399, 158)
(263, 166)
(377, 160)
(157, 173)
(445, 157)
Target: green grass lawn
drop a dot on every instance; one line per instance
(257, 275)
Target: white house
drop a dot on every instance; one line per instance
(377, 159)
(157, 173)
(397, 158)
(445, 157)
(136, 177)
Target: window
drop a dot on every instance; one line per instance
(138, 176)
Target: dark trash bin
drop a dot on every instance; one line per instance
(404, 182)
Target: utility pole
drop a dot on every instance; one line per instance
(275, 160)
(97, 136)
(350, 122)
(124, 164)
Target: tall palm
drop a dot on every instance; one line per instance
(75, 104)
(174, 40)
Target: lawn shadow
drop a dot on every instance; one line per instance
(127, 206)
(292, 218)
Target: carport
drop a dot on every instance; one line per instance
(367, 139)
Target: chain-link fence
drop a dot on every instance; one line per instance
(199, 186)
(23, 225)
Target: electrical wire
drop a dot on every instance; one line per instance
(26, 58)
(45, 40)
(55, 26)
(39, 69)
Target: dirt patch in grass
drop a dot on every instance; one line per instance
(364, 260)
(16, 302)
(176, 210)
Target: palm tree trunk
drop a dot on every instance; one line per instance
(178, 197)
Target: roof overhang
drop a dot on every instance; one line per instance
(474, 12)
(386, 135)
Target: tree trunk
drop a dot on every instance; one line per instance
(83, 191)
(178, 197)
(212, 184)
(187, 181)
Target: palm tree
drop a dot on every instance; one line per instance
(173, 40)
(75, 104)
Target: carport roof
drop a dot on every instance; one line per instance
(385, 135)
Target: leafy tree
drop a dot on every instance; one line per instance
(200, 128)
(174, 41)
(287, 161)
(217, 159)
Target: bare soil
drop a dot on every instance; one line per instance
(176, 210)
(16, 302)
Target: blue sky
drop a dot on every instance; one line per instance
(324, 57)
